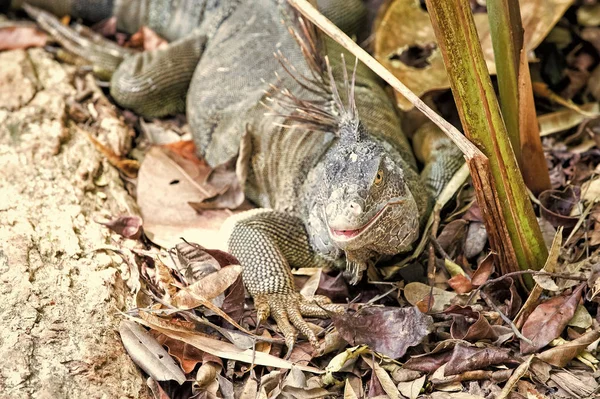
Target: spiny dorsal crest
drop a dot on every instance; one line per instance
(349, 126)
(326, 110)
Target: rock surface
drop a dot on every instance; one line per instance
(59, 297)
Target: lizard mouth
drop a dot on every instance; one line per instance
(345, 235)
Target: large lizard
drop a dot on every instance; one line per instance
(340, 188)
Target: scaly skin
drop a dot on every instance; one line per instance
(344, 197)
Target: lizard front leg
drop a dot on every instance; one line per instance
(266, 243)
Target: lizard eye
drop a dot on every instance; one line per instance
(378, 177)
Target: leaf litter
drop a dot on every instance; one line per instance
(472, 334)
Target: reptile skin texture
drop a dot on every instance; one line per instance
(342, 196)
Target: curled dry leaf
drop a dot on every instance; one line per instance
(505, 295)
(460, 283)
(187, 355)
(561, 355)
(386, 330)
(21, 37)
(147, 353)
(466, 358)
(167, 183)
(557, 205)
(127, 226)
(564, 119)
(418, 294)
(546, 282)
(484, 271)
(409, 49)
(384, 379)
(463, 329)
(549, 319)
(208, 288)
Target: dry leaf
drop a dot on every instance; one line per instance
(389, 331)
(462, 329)
(165, 187)
(405, 42)
(127, 226)
(561, 355)
(187, 355)
(21, 37)
(208, 288)
(412, 389)
(226, 350)
(416, 293)
(549, 319)
(517, 375)
(564, 119)
(149, 354)
(384, 378)
(466, 358)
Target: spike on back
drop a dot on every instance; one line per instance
(348, 121)
(326, 111)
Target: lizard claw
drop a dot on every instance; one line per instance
(288, 311)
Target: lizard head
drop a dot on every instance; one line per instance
(368, 207)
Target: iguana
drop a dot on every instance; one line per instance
(336, 178)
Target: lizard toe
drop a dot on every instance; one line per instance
(279, 305)
(263, 310)
(295, 316)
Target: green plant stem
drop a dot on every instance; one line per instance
(483, 124)
(507, 40)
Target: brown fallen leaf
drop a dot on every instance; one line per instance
(453, 235)
(146, 39)
(462, 328)
(227, 190)
(466, 358)
(561, 355)
(147, 353)
(409, 49)
(428, 363)
(484, 270)
(383, 378)
(556, 206)
(187, 355)
(418, 294)
(207, 288)
(21, 37)
(127, 226)
(564, 119)
(167, 183)
(386, 330)
(548, 320)
(229, 351)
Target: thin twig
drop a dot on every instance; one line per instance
(438, 247)
(521, 272)
(506, 319)
(203, 321)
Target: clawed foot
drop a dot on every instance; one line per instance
(103, 54)
(288, 309)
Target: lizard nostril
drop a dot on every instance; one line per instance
(355, 208)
